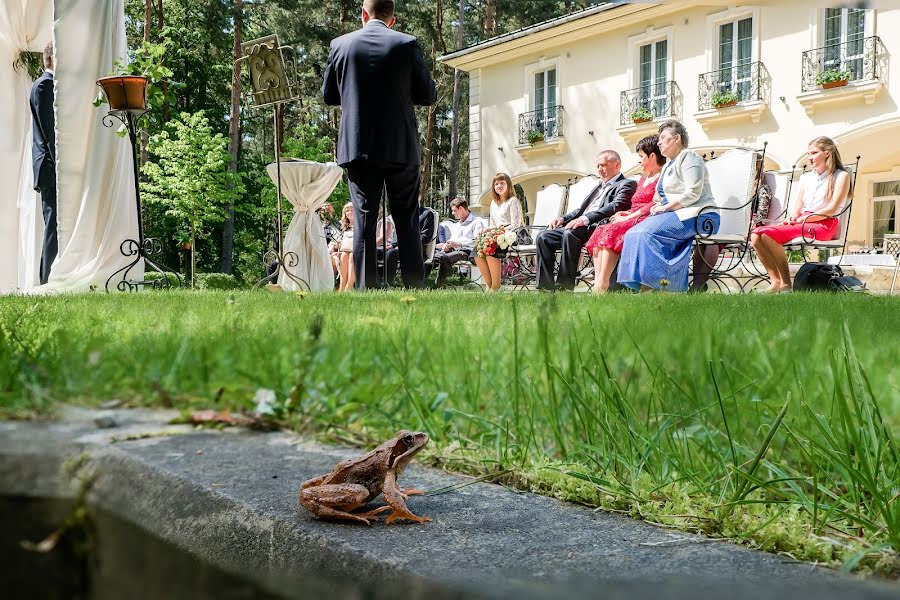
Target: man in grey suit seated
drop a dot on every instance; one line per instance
(461, 244)
(570, 232)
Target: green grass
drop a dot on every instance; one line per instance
(767, 420)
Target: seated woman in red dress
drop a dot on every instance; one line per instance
(605, 244)
(823, 193)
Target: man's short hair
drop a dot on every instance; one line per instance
(48, 55)
(610, 155)
(379, 9)
(457, 202)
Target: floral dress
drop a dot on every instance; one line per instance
(612, 235)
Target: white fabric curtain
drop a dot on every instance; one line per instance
(307, 185)
(95, 179)
(24, 25)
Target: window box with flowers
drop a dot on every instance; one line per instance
(832, 78)
(724, 99)
(641, 115)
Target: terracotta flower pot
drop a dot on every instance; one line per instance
(726, 104)
(639, 121)
(125, 93)
(834, 84)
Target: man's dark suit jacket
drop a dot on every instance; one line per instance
(43, 147)
(617, 198)
(377, 75)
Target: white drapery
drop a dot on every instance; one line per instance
(95, 183)
(307, 185)
(24, 25)
(95, 179)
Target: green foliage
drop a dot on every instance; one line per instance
(833, 75)
(721, 98)
(534, 136)
(189, 177)
(216, 281)
(642, 114)
(31, 63)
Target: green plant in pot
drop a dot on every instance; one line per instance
(830, 78)
(724, 98)
(534, 136)
(642, 115)
(136, 86)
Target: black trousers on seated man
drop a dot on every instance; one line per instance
(444, 261)
(570, 242)
(367, 180)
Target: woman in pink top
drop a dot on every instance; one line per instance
(823, 193)
(605, 244)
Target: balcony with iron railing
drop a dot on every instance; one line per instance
(732, 85)
(843, 73)
(540, 125)
(648, 102)
(857, 60)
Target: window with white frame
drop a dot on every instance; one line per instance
(844, 33)
(653, 70)
(885, 211)
(735, 57)
(544, 102)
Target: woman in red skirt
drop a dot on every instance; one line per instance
(605, 244)
(823, 193)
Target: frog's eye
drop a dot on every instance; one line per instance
(408, 438)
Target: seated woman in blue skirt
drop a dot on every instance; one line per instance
(656, 252)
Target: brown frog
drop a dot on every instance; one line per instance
(353, 483)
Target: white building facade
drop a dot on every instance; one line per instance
(546, 99)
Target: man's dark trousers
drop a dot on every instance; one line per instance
(570, 242)
(47, 188)
(401, 182)
(445, 260)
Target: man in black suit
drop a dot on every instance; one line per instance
(570, 232)
(43, 154)
(377, 76)
(427, 234)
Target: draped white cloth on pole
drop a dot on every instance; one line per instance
(95, 179)
(24, 25)
(307, 185)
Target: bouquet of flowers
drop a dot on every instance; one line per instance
(495, 241)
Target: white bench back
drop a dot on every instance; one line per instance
(547, 206)
(778, 186)
(579, 190)
(732, 183)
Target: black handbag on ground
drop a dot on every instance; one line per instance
(816, 276)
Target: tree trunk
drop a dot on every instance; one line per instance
(193, 254)
(426, 155)
(148, 20)
(489, 27)
(167, 111)
(457, 92)
(234, 134)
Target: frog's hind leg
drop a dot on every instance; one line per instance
(335, 501)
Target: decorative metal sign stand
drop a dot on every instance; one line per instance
(272, 83)
(127, 97)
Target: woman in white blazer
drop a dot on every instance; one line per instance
(657, 252)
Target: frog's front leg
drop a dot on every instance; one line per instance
(335, 500)
(395, 498)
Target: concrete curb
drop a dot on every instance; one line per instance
(230, 498)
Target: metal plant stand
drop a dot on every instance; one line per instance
(271, 84)
(143, 247)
